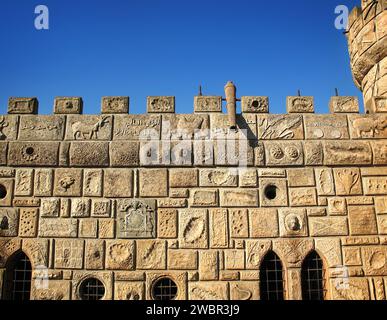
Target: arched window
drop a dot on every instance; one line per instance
(312, 275)
(271, 278)
(17, 284)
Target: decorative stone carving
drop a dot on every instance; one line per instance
(314, 154)
(43, 182)
(69, 253)
(23, 182)
(248, 178)
(151, 254)
(161, 104)
(115, 104)
(92, 182)
(9, 222)
(352, 256)
(382, 224)
(234, 259)
(136, 127)
(106, 229)
(23, 106)
(379, 149)
(279, 188)
(326, 127)
(128, 291)
(193, 228)
(218, 232)
(239, 198)
(100, 208)
(208, 104)
(263, 223)
(347, 153)
(41, 128)
(67, 182)
(330, 251)
(375, 186)
(68, 105)
(208, 290)
(370, 126)
(282, 127)
(182, 260)
(374, 260)
(255, 252)
(246, 124)
(8, 127)
(28, 222)
(50, 208)
(337, 206)
(80, 208)
(118, 183)
(284, 154)
(88, 228)
(57, 290)
(88, 127)
(350, 289)
(325, 185)
(63, 228)
(94, 254)
(120, 254)
(239, 225)
(218, 178)
(293, 251)
(33, 154)
(362, 220)
(328, 226)
(6, 199)
(255, 104)
(135, 218)
(344, 105)
(347, 181)
(301, 177)
(204, 198)
(208, 265)
(300, 104)
(293, 222)
(181, 178)
(89, 154)
(300, 197)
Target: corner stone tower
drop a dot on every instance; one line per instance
(367, 41)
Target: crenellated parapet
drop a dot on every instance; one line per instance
(367, 41)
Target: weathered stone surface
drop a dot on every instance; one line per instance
(153, 183)
(118, 183)
(274, 192)
(124, 153)
(115, 104)
(350, 289)
(263, 223)
(182, 260)
(352, 256)
(135, 127)
(50, 208)
(337, 206)
(23, 106)
(254, 104)
(57, 290)
(7, 193)
(136, 218)
(324, 182)
(180, 178)
(255, 252)
(369, 126)
(347, 181)
(362, 220)
(218, 178)
(63, 228)
(379, 149)
(67, 182)
(239, 198)
(92, 182)
(244, 291)
(301, 197)
(330, 248)
(160, 104)
(80, 207)
(314, 153)
(24, 182)
(347, 153)
(120, 254)
(248, 178)
(301, 177)
(28, 227)
(239, 223)
(218, 230)
(207, 290)
(89, 127)
(167, 223)
(9, 219)
(246, 123)
(193, 228)
(234, 259)
(89, 154)
(374, 260)
(208, 265)
(69, 253)
(94, 254)
(151, 254)
(101, 208)
(328, 226)
(80, 276)
(293, 222)
(326, 127)
(293, 251)
(204, 198)
(375, 186)
(208, 104)
(88, 228)
(68, 105)
(33, 153)
(129, 291)
(106, 229)
(41, 128)
(180, 278)
(8, 127)
(300, 104)
(43, 182)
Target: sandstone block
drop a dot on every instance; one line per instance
(161, 104)
(89, 154)
(263, 223)
(254, 104)
(300, 104)
(239, 198)
(23, 106)
(183, 178)
(208, 104)
(115, 104)
(41, 128)
(118, 183)
(124, 153)
(68, 105)
(33, 154)
(362, 220)
(153, 183)
(193, 228)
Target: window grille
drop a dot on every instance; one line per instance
(312, 277)
(92, 289)
(271, 278)
(164, 289)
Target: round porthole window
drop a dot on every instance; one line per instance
(271, 192)
(91, 289)
(3, 191)
(164, 289)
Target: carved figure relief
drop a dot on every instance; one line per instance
(82, 131)
(280, 127)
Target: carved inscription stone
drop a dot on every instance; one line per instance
(41, 128)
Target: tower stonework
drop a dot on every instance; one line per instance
(195, 204)
(367, 43)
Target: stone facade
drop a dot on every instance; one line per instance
(130, 199)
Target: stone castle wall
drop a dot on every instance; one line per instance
(128, 199)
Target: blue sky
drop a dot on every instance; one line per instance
(138, 48)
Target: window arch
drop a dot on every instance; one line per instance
(312, 275)
(17, 284)
(271, 278)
